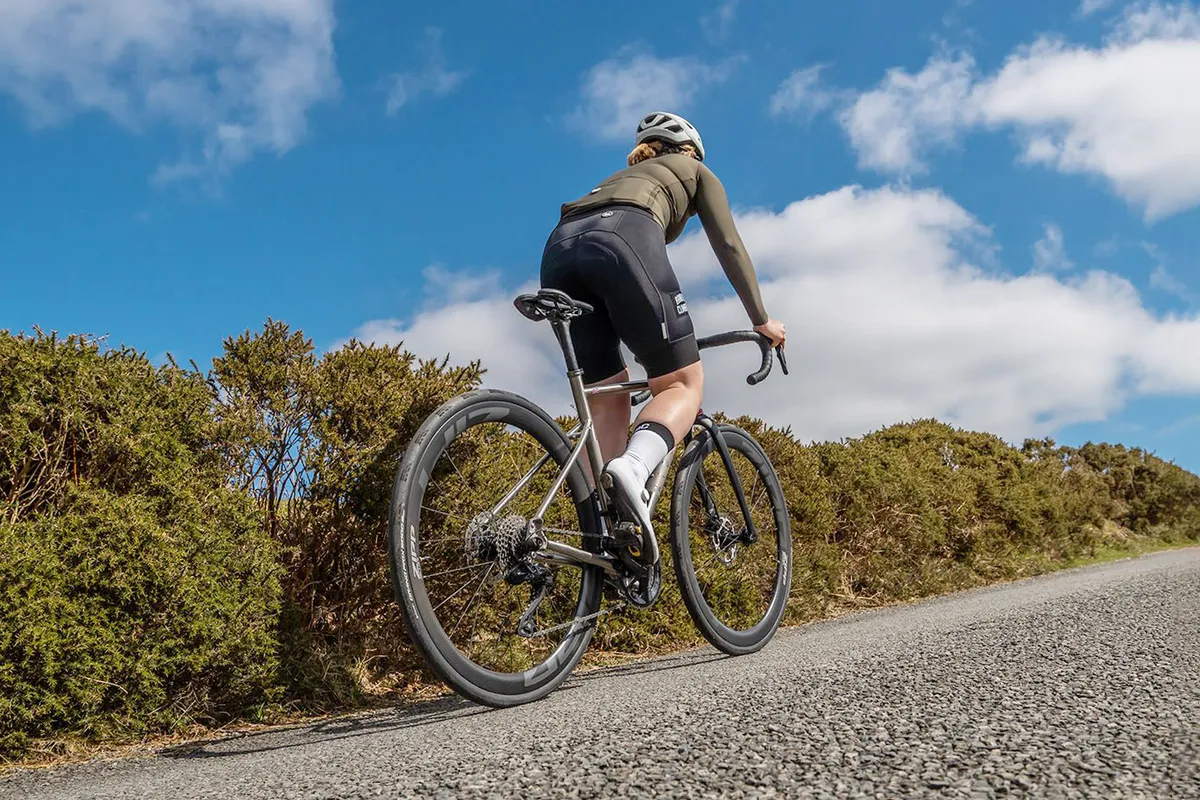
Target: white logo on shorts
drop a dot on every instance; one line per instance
(680, 304)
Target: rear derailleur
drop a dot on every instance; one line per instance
(541, 580)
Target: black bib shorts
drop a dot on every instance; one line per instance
(615, 258)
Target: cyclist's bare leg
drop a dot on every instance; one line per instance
(676, 400)
(666, 419)
(610, 414)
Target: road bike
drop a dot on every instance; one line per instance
(503, 550)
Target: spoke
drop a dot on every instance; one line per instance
(467, 608)
(471, 636)
(712, 557)
(452, 539)
(466, 483)
(516, 470)
(446, 514)
(460, 569)
(530, 442)
(754, 490)
(525, 443)
(456, 591)
(440, 541)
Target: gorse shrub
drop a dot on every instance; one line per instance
(316, 440)
(137, 590)
(181, 547)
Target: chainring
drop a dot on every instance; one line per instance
(642, 590)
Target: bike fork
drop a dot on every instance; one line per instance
(707, 423)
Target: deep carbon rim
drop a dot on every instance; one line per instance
(722, 635)
(452, 665)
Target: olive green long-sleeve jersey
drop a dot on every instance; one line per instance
(673, 188)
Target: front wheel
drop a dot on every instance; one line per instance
(735, 584)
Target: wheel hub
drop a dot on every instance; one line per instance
(725, 537)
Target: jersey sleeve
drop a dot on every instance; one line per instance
(712, 206)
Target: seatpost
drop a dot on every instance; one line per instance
(562, 331)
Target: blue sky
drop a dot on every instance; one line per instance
(978, 211)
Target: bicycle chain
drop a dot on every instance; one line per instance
(589, 617)
(569, 623)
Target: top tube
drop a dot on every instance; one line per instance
(705, 343)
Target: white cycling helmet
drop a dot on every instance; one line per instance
(669, 128)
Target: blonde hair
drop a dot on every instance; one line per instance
(655, 148)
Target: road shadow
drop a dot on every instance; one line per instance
(418, 715)
(427, 713)
(664, 664)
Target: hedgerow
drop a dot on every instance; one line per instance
(181, 547)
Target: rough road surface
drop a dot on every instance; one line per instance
(1081, 684)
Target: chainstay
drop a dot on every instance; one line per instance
(588, 617)
(566, 532)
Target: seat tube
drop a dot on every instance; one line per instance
(562, 332)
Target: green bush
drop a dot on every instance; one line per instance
(138, 592)
(316, 441)
(180, 547)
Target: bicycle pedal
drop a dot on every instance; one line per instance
(629, 536)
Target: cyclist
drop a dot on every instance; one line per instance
(609, 250)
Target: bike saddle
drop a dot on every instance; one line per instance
(550, 304)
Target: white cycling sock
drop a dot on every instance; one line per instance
(648, 446)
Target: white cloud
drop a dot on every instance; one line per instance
(241, 75)
(451, 287)
(718, 23)
(1162, 279)
(432, 78)
(1155, 20)
(803, 93)
(617, 92)
(1050, 252)
(1124, 111)
(888, 320)
(891, 125)
(519, 355)
(1089, 7)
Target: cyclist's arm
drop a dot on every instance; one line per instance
(712, 206)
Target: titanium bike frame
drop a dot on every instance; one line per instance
(559, 552)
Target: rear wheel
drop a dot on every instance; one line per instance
(735, 585)
(461, 562)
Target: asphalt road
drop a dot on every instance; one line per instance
(1081, 684)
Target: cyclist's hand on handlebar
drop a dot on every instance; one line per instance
(774, 330)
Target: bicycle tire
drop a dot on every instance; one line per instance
(425, 631)
(723, 636)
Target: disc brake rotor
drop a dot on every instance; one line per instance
(724, 538)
